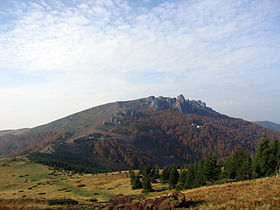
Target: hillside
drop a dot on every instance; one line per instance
(268, 124)
(129, 134)
(26, 185)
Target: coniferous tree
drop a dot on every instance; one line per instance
(164, 177)
(181, 180)
(190, 177)
(138, 182)
(157, 173)
(278, 161)
(146, 171)
(153, 175)
(245, 171)
(147, 187)
(132, 179)
(273, 159)
(238, 166)
(211, 168)
(200, 177)
(262, 159)
(173, 177)
(135, 181)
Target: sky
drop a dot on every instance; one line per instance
(58, 57)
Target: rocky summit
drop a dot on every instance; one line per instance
(127, 134)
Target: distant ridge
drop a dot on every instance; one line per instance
(268, 124)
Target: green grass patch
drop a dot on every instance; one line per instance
(8, 187)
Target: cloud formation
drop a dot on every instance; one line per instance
(85, 53)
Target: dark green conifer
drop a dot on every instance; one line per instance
(157, 173)
(138, 183)
(263, 158)
(211, 169)
(153, 175)
(190, 178)
(132, 180)
(147, 187)
(181, 180)
(199, 174)
(164, 177)
(238, 166)
(173, 177)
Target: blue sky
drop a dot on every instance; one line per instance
(59, 57)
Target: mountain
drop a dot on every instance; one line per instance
(128, 134)
(268, 124)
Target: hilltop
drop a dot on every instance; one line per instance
(128, 134)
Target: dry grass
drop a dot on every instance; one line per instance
(28, 186)
(253, 194)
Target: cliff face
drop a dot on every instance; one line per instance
(179, 104)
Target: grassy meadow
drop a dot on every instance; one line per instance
(29, 185)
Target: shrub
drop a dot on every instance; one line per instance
(62, 201)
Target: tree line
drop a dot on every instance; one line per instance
(239, 166)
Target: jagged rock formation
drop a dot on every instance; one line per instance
(180, 104)
(162, 103)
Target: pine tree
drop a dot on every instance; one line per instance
(138, 182)
(190, 178)
(165, 175)
(147, 187)
(263, 159)
(173, 177)
(157, 173)
(278, 161)
(273, 159)
(238, 166)
(211, 169)
(135, 181)
(245, 171)
(153, 175)
(200, 177)
(146, 171)
(181, 180)
(132, 180)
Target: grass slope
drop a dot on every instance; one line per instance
(27, 185)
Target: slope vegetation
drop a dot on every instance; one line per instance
(26, 185)
(128, 134)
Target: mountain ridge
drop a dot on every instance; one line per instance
(268, 124)
(127, 134)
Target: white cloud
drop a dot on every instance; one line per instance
(89, 48)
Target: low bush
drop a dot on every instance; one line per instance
(62, 201)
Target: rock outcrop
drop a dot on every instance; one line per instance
(175, 200)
